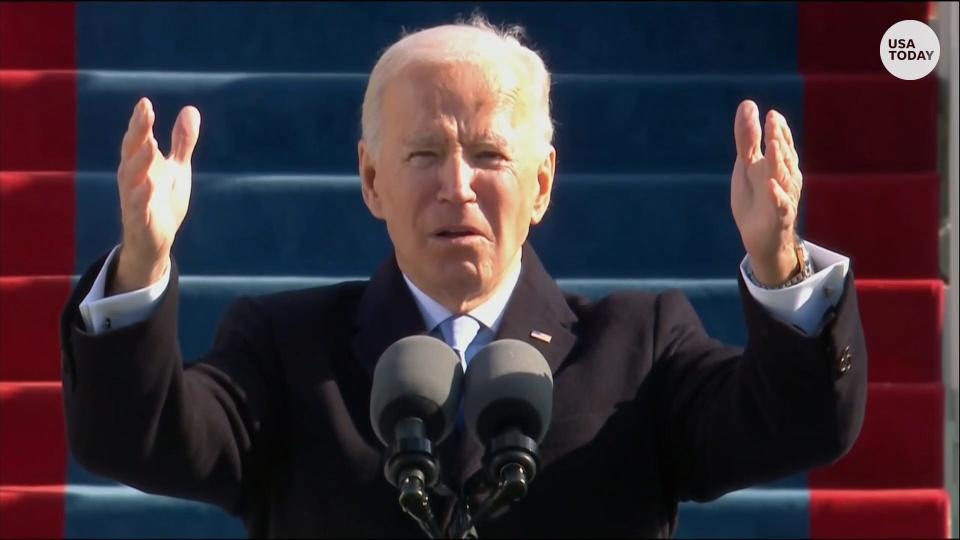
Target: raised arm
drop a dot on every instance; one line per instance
(133, 412)
(795, 397)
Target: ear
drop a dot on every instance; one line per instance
(545, 172)
(368, 175)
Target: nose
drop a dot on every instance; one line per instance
(456, 180)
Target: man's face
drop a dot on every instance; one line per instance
(461, 175)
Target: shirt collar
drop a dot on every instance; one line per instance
(489, 313)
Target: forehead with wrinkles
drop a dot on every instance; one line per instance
(476, 98)
(502, 75)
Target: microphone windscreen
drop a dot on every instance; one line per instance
(418, 376)
(508, 384)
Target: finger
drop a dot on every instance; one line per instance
(796, 176)
(787, 134)
(186, 131)
(136, 167)
(785, 168)
(139, 128)
(786, 205)
(773, 147)
(786, 145)
(769, 132)
(781, 171)
(746, 131)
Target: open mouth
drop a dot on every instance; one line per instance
(456, 234)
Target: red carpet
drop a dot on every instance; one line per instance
(32, 444)
(903, 324)
(31, 512)
(887, 224)
(920, 513)
(29, 327)
(900, 445)
(29, 198)
(842, 37)
(871, 189)
(856, 124)
(37, 133)
(39, 121)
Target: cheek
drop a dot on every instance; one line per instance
(409, 200)
(507, 208)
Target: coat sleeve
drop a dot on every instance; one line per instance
(135, 414)
(732, 418)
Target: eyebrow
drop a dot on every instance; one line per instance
(491, 137)
(425, 139)
(435, 139)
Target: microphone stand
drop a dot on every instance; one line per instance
(413, 468)
(514, 462)
(415, 502)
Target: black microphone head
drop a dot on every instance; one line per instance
(508, 384)
(421, 377)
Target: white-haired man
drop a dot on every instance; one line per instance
(456, 158)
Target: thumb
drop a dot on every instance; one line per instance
(186, 131)
(746, 131)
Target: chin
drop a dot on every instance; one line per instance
(463, 277)
(461, 274)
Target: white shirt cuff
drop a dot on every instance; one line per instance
(804, 304)
(102, 314)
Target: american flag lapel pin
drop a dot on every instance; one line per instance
(536, 334)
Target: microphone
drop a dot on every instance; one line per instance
(508, 404)
(414, 402)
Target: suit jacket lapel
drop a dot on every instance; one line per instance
(387, 313)
(537, 304)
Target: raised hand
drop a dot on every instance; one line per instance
(765, 192)
(154, 195)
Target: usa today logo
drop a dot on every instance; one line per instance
(909, 50)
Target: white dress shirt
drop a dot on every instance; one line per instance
(489, 313)
(802, 305)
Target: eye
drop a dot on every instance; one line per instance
(422, 157)
(491, 155)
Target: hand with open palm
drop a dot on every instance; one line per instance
(154, 195)
(765, 193)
